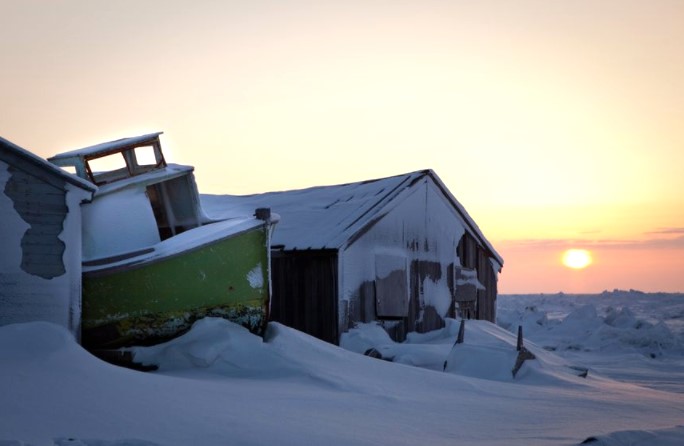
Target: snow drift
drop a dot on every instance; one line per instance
(220, 385)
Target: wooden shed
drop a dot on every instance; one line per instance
(40, 236)
(400, 250)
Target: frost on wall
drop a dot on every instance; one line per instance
(436, 295)
(407, 256)
(43, 208)
(391, 286)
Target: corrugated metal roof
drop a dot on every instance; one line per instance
(327, 217)
(318, 217)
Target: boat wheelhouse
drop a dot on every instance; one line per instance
(153, 261)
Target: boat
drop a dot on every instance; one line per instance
(153, 261)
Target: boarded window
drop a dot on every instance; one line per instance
(466, 291)
(466, 284)
(391, 286)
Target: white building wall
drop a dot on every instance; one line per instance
(72, 237)
(26, 297)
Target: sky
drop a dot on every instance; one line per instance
(556, 124)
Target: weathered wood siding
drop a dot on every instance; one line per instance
(423, 228)
(398, 270)
(40, 263)
(43, 207)
(474, 256)
(304, 291)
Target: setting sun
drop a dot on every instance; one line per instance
(577, 258)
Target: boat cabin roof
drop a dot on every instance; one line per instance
(106, 148)
(114, 160)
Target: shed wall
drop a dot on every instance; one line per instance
(304, 291)
(475, 257)
(423, 228)
(40, 264)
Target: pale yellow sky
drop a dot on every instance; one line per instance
(548, 120)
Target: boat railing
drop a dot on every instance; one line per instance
(117, 258)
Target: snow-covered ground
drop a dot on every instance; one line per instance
(626, 335)
(220, 385)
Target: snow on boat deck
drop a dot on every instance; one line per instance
(187, 241)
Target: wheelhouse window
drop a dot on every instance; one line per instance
(103, 169)
(144, 158)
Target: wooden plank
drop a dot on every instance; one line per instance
(41, 207)
(391, 286)
(422, 270)
(26, 191)
(304, 294)
(46, 271)
(42, 246)
(35, 218)
(465, 291)
(21, 167)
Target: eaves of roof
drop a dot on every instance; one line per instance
(18, 154)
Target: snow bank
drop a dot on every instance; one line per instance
(220, 385)
(660, 437)
(594, 323)
(52, 389)
(219, 347)
(215, 346)
(625, 335)
(35, 342)
(488, 352)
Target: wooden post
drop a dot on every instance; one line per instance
(461, 332)
(459, 340)
(523, 355)
(263, 214)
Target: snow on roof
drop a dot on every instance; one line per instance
(165, 173)
(10, 147)
(103, 148)
(327, 217)
(470, 222)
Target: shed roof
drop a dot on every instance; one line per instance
(327, 217)
(14, 154)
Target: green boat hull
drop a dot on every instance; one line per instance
(150, 302)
